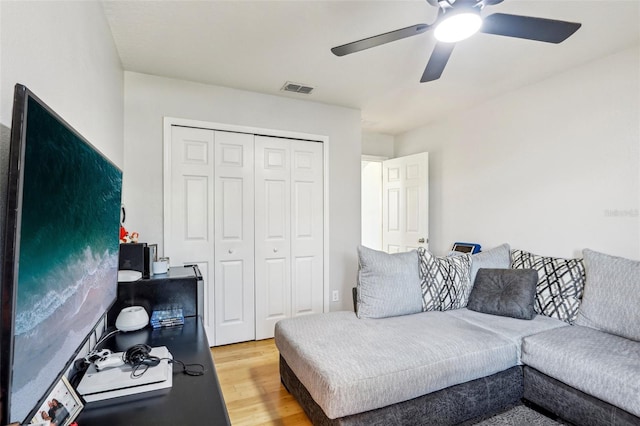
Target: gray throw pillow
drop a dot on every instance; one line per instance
(497, 258)
(504, 292)
(388, 284)
(611, 295)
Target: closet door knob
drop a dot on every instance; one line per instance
(230, 251)
(275, 250)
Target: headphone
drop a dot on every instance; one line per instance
(138, 355)
(140, 358)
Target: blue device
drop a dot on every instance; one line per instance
(470, 248)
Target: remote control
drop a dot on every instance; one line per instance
(109, 361)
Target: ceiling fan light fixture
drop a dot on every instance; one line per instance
(458, 25)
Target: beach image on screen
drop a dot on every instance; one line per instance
(67, 275)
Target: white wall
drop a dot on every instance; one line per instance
(551, 168)
(148, 99)
(371, 205)
(64, 53)
(377, 144)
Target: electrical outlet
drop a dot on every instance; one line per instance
(335, 296)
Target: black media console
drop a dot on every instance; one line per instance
(192, 400)
(182, 286)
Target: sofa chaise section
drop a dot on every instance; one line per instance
(350, 366)
(449, 406)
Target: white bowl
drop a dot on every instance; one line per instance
(126, 276)
(132, 318)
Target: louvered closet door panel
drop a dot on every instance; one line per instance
(234, 238)
(306, 228)
(190, 209)
(272, 230)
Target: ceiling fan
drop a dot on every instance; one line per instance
(460, 19)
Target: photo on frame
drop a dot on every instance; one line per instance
(60, 407)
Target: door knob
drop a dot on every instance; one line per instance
(275, 250)
(230, 251)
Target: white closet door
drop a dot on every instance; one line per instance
(189, 208)
(248, 210)
(289, 230)
(234, 238)
(306, 228)
(405, 203)
(273, 233)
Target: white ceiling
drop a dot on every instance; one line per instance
(259, 45)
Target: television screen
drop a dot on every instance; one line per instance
(61, 251)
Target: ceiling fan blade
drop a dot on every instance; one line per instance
(528, 27)
(380, 39)
(437, 62)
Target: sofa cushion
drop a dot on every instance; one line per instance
(510, 328)
(612, 295)
(504, 292)
(350, 365)
(445, 281)
(496, 258)
(600, 364)
(388, 284)
(560, 283)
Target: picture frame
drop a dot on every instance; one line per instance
(60, 407)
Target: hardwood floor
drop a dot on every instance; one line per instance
(250, 381)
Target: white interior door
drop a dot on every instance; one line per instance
(273, 233)
(189, 209)
(289, 230)
(307, 208)
(234, 239)
(405, 203)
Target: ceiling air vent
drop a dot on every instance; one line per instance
(297, 88)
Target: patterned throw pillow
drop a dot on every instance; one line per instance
(560, 283)
(445, 281)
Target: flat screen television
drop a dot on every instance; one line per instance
(61, 244)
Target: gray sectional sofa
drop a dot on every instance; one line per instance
(484, 334)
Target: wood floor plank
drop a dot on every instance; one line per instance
(250, 380)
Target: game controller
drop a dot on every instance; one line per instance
(95, 355)
(109, 361)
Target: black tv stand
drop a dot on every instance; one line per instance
(192, 400)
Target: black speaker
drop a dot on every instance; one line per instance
(132, 257)
(148, 262)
